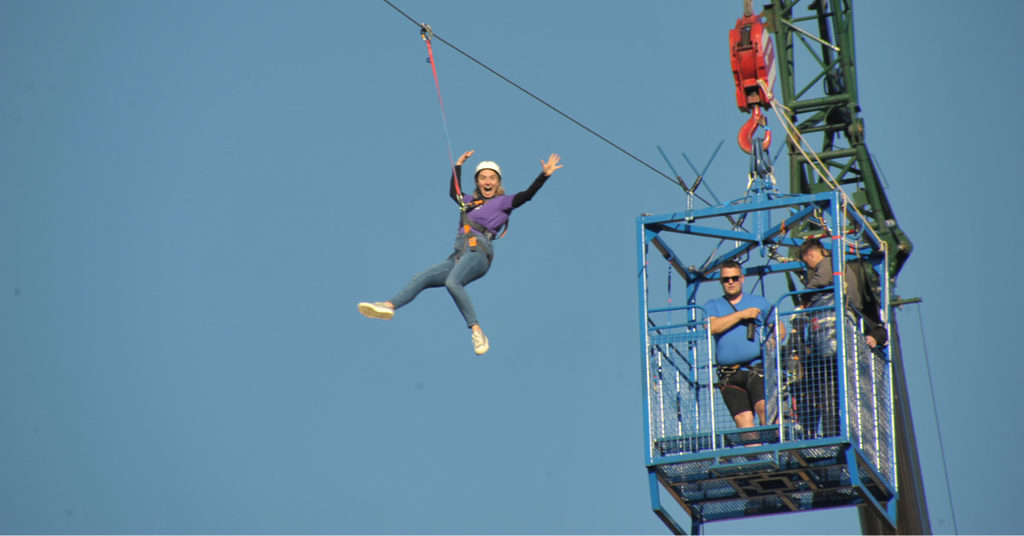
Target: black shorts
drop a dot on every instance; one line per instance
(742, 390)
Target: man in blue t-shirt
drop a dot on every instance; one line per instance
(735, 323)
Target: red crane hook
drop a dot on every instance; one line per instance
(746, 135)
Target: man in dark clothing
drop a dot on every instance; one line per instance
(819, 275)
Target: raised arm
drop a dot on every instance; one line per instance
(547, 168)
(454, 185)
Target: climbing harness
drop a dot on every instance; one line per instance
(470, 225)
(726, 372)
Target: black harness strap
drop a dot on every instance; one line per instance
(470, 224)
(751, 327)
(726, 372)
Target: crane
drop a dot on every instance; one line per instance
(862, 455)
(815, 41)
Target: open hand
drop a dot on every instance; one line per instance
(552, 164)
(465, 156)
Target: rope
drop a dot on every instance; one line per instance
(535, 97)
(795, 134)
(425, 33)
(935, 411)
(815, 162)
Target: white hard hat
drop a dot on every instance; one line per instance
(487, 165)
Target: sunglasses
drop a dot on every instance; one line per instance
(731, 278)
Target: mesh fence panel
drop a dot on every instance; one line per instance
(817, 390)
(813, 398)
(680, 397)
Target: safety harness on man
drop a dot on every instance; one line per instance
(725, 372)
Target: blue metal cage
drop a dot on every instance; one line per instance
(828, 440)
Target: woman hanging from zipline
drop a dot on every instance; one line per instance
(483, 215)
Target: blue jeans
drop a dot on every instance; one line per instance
(461, 268)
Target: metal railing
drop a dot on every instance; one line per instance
(816, 390)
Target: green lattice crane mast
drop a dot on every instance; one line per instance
(817, 75)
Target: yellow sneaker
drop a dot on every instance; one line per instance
(480, 343)
(377, 310)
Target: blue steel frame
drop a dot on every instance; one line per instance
(868, 485)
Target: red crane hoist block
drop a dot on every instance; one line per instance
(753, 58)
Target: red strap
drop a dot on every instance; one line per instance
(444, 117)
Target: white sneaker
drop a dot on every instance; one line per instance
(377, 310)
(480, 343)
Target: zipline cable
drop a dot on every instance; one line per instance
(538, 99)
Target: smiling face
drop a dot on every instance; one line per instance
(488, 182)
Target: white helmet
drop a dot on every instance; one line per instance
(487, 165)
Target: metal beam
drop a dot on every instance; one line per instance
(836, 130)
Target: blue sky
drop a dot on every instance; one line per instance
(195, 195)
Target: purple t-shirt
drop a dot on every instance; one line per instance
(492, 214)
